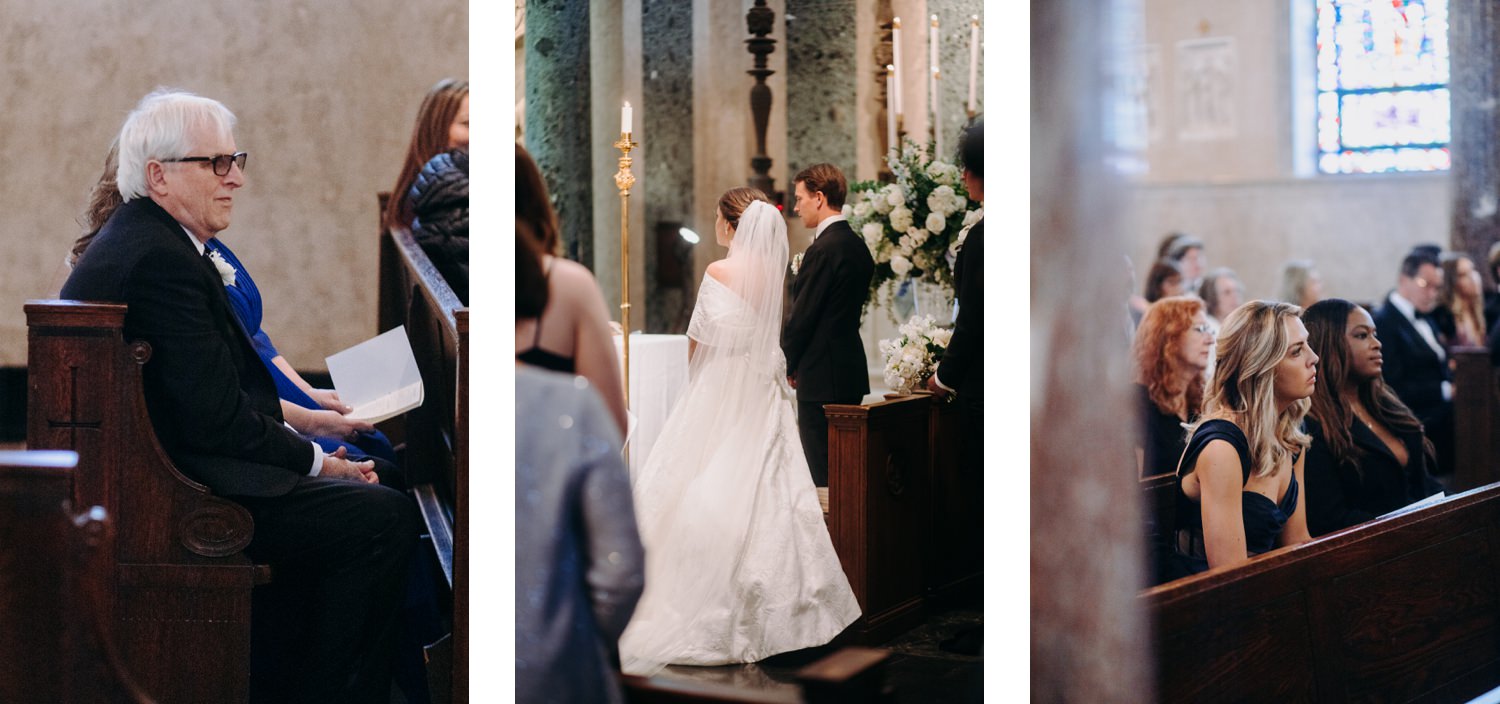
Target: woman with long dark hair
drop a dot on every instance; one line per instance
(1368, 455)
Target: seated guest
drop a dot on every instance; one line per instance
(1416, 361)
(1172, 349)
(573, 334)
(580, 567)
(1462, 297)
(1222, 292)
(316, 413)
(1368, 456)
(1301, 285)
(1186, 251)
(1240, 480)
(1491, 293)
(321, 521)
(440, 203)
(442, 125)
(1165, 279)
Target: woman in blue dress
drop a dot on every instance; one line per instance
(316, 413)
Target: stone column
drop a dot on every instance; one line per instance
(667, 99)
(1089, 638)
(953, 59)
(557, 106)
(823, 69)
(1473, 30)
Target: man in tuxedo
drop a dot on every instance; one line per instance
(825, 358)
(1415, 358)
(326, 523)
(961, 370)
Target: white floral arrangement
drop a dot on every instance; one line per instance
(226, 270)
(911, 226)
(914, 356)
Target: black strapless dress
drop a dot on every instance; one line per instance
(1263, 517)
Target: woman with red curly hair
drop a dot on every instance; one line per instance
(1172, 349)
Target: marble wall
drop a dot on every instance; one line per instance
(822, 71)
(668, 106)
(326, 95)
(557, 75)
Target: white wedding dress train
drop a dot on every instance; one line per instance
(739, 563)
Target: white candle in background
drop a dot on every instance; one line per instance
(890, 107)
(973, 63)
(932, 81)
(625, 118)
(937, 118)
(896, 47)
(932, 44)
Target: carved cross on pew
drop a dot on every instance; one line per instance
(71, 423)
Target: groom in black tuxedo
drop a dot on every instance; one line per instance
(333, 533)
(825, 358)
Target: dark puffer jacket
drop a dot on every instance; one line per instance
(440, 201)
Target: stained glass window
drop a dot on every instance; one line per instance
(1382, 86)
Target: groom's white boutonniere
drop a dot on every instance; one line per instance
(796, 263)
(226, 270)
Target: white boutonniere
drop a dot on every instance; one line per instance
(226, 270)
(796, 263)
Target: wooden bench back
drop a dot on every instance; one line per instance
(414, 294)
(177, 577)
(1476, 419)
(1405, 608)
(853, 675)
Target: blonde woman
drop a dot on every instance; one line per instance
(1239, 481)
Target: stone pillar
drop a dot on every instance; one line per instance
(1474, 83)
(557, 98)
(667, 100)
(615, 77)
(1089, 637)
(823, 69)
(953, 59)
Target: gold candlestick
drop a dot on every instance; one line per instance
(625, 180)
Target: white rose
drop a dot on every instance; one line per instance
(901, 219)
(973, 216)
(894, 196)
(935, 222)
(900, 265)
(880, 205)
(918, 236)
(862, 209)
(940, 200)
(872, 232)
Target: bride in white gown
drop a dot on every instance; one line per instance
(739, 564)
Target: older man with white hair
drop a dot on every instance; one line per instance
(326, 523)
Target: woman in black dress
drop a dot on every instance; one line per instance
(1239, 479)
(1368, 454)
(1172, 347)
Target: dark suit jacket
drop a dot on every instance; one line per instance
(212, 403)
(821, 337)
(962, 367)
(1339, 495)
(1412, 369)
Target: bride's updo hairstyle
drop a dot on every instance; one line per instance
(734, 201)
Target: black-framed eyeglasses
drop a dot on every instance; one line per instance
(220, 162)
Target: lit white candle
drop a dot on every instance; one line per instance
(973, 63)
(937, 118)
(625, 114)
(890, 107)
(932, 44)
(896, 47)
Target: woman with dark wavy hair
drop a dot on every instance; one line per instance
(1368, 455)
(1172, 348)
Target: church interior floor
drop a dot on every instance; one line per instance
(917, 671)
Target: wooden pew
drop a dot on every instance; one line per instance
(1159, 508)
(178, 582)
(900, 518)
(1476, 419)
(436, 457)
(852, 675)
(57, 644)
(1404, 608)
